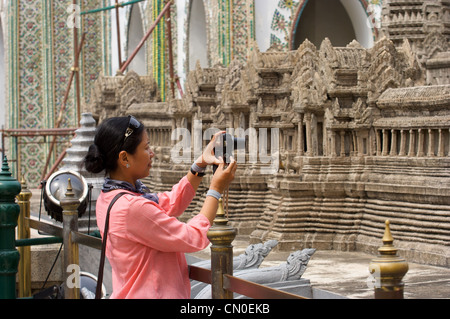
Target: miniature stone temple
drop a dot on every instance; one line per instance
(357, 128)
(363, 134)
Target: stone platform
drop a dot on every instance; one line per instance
(342, 273)
(346, 273)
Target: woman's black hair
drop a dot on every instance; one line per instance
(109, 141)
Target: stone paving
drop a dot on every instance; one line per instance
(342, 273)
(347, 274)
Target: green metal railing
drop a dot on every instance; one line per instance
(12, 214)
(9, 212)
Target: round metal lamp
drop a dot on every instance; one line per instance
(55, 190)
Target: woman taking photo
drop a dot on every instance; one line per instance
(146, 242)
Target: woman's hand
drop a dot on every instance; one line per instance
(219, 182)
(208, 157)
(223, 176)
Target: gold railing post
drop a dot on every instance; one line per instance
(70, 205)
(221, 236)
(388, 269)
(23, 232)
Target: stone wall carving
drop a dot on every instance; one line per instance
(113, 95)
(364, 136)
(420, 22)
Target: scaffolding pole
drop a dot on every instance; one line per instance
(111, 7)
(118, 33)
(74, 72)
(149, 32)
(169, 40)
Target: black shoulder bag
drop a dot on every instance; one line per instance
(98, 292)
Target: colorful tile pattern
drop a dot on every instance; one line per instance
(92, 51)
(31, 113)
(243, 28)
(282, 22)
(40, 58)
(159, 48)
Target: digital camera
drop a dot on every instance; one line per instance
(226, 145)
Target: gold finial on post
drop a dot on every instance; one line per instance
(23, 232)
(70, 205)
(221, 236)
(69, 192)
(220, 219)
(388, 269)
(388, 247)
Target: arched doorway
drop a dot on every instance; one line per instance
(342, 21)
(135, 35)
(198, 48)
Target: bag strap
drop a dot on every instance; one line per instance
(98, 291)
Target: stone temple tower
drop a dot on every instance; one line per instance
(74, 161)
(425, 25)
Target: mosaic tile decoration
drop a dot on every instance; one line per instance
(63, 39)
(224, 31)
(32, 113)
(92, 51)
(243, 28)
(282, 22)
(30, 58)
(156, 47)
(374, 8)
(12, 77)
(235, 29)
(40, 56)
(159, 48)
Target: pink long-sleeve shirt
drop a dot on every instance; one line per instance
(146, 243)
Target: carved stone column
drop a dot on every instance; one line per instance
(174, 126)
(385, 143)
(342, 143)
(441, 143)
(393, 150)
(430, 143)
(333, 144)
(420, 144)
(160, 136)
(300, 137)
(412, 141)
(378, 137)
(448, 142)
(355, 144)
(402, 143)
(309, 146)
